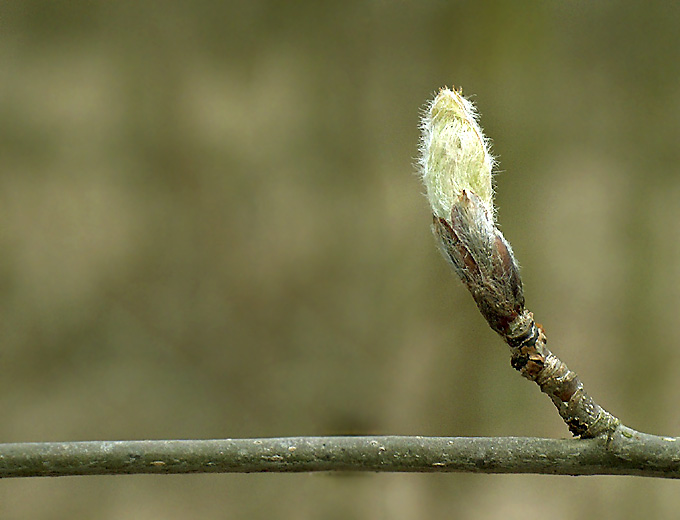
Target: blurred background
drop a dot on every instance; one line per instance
(211, 226)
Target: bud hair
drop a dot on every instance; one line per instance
(454, 154)
(456, 169)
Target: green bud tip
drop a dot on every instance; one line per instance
(454, 154)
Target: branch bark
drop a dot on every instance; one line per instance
(624, 452)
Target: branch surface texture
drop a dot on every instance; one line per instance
(625, 452)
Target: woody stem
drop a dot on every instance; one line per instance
(530, 356)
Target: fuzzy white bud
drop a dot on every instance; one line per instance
(454, 154)
(456, 167)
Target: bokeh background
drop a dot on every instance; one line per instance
(211, 226)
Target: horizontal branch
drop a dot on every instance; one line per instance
(625, 452)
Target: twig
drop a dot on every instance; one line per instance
(456, 167)
(626, 452)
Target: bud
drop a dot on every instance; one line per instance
(456, 169)
(454, 153)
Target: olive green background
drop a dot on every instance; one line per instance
(211, 226)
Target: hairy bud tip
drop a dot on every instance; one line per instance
(454, 154)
